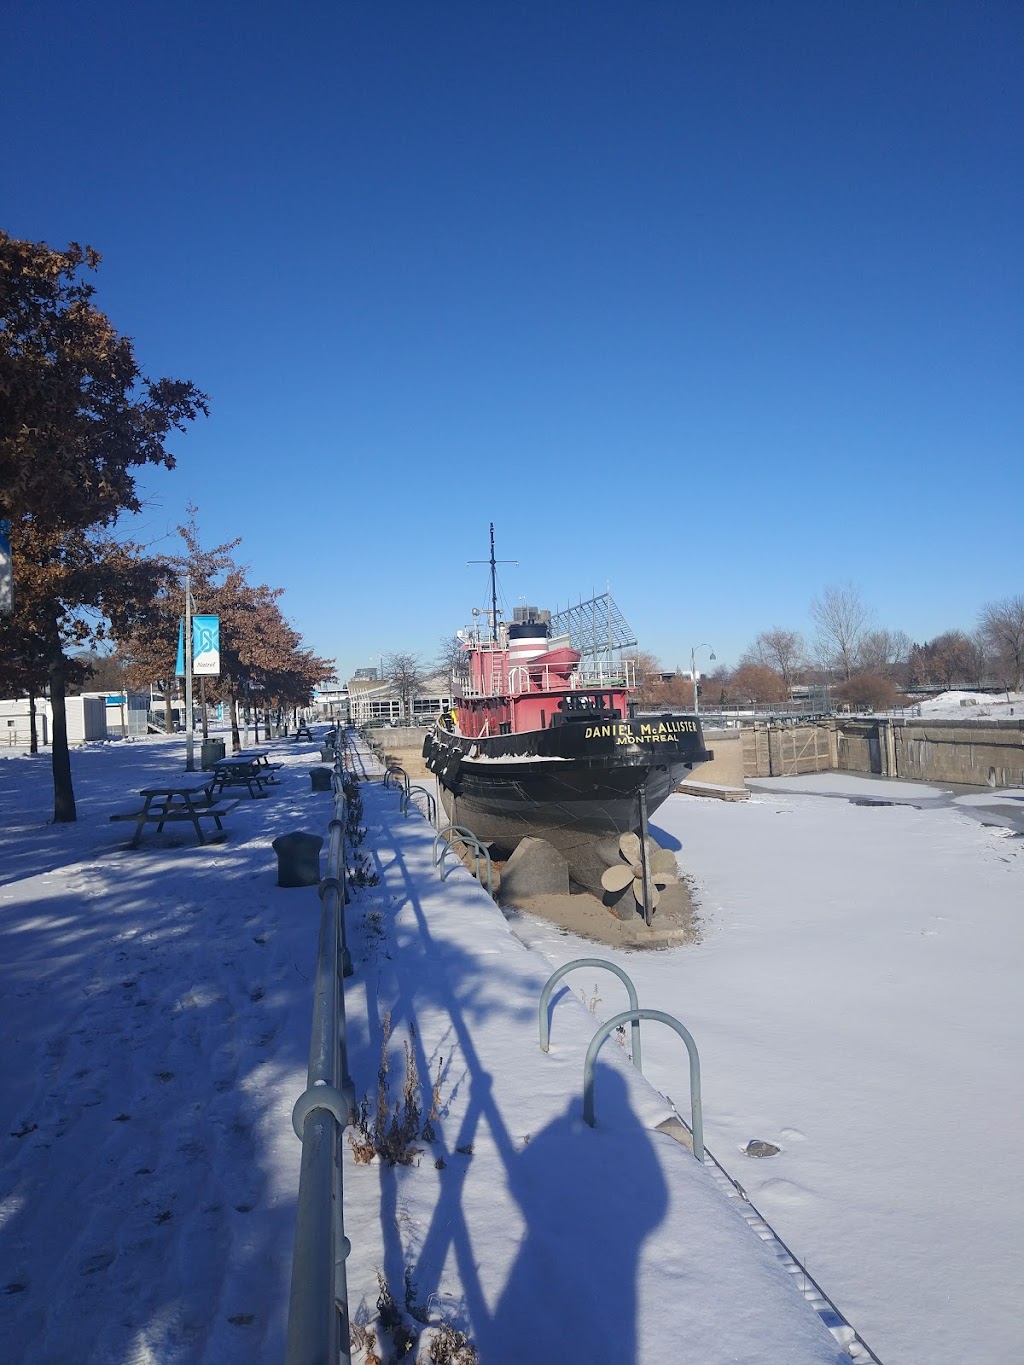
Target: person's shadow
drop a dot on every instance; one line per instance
(589, 1197)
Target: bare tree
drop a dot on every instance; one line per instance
(945, 661)
(451, 656)
(757, 683)
(649, 675)
(978, 659)
(883, 652)
(406, 674)
(777, 649)
(1001, 626)
(840, 619)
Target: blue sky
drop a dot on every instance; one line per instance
(718, 303)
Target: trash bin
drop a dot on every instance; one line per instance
(327, 753)
(321, 779)
(211, 752)
(298, 859)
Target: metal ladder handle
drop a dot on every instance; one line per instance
(392, 771)
(467, 837)
(696, 1112)
(634, 1003)
(441, 837)
(431, 803)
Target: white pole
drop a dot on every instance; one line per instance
(190, 761)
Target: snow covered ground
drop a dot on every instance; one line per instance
(961, 705)
(853, 999)
(856, 1000)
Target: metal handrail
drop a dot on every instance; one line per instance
(318, 1316)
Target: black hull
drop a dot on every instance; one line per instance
(576, 785)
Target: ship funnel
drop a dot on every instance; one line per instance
(526, 639)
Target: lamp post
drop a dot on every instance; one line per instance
(693, 672)
(190, 762)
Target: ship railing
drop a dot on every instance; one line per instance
(546, 678)
(607, 675)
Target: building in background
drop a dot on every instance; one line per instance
(374, 702)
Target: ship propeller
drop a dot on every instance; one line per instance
(619, 876)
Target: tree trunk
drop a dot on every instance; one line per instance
(168, 709)
(33, 730)
(236, 741)
(63, 793)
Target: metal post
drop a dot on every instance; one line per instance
(693, 679)
(645, 866)
(190, 760)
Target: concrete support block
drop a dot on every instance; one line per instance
(535, 869)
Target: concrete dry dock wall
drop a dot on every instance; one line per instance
(989, 754)
(975, 753)
(726, 769)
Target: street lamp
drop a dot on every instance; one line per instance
(693, 671)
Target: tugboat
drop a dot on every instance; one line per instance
(538, 745)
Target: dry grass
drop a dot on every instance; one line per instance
(410, 1329)
(393, 1131)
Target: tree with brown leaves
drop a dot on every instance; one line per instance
(77, 418)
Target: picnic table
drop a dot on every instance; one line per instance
(260, 758)
(173, 801)
(249, 768)
(303, 732)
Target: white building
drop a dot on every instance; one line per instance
(373, 702)
(91, 716)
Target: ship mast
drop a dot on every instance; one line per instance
(494, 583)
(494, 591)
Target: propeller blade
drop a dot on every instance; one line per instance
(617, 878)
(638, 892)
(629, 847)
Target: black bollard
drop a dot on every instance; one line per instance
(321, 778)
(298, 859)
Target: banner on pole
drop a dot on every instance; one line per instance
(6, 570)
(179, 667)
(206, 646)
